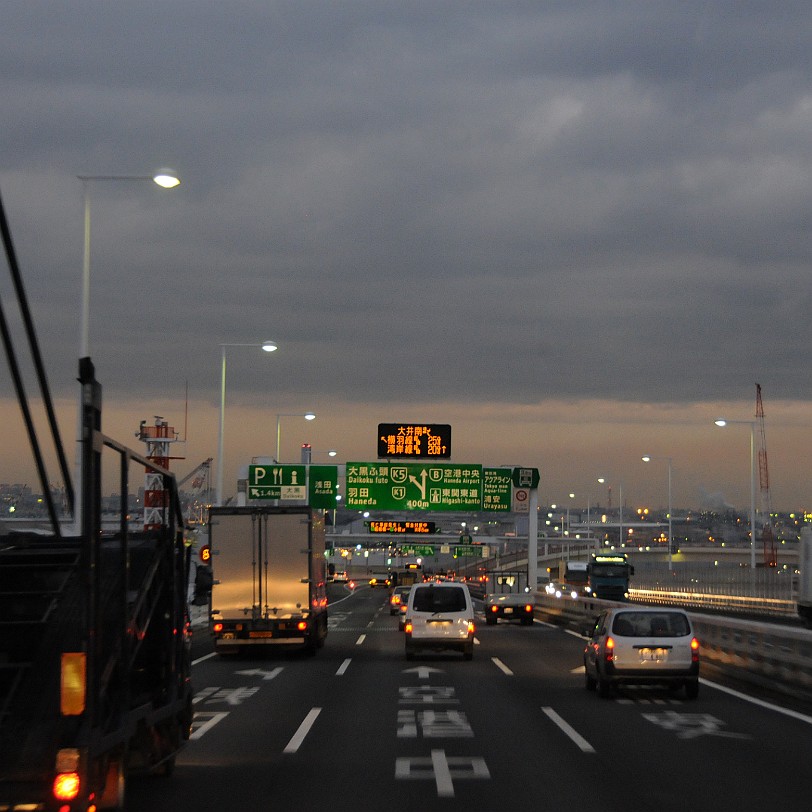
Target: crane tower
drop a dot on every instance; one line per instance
(767, 534)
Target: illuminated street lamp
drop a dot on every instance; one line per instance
(648, 458)
(267, 346)
(305, 415)
(164, 178)
(752, 423)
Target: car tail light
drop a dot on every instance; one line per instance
(408, 627)
(471, 628)
(609, 652)
(694, 650)
(528, 607)
(494, 609)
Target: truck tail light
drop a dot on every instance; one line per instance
(73, 683)
(217, 628)
(494, 609)
(528, 608)
(694, 650)
(302, 625)
(67, 782)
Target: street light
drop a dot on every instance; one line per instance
(267, 346)
(305, 415)
(165, 178)
(648, 458)
(752, 423)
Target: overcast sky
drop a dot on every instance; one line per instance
(573, 230)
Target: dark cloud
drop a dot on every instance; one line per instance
(616, 195)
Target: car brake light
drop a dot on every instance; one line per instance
(408, 627)
(471, 628)
(528, 607)
(694, 650)
(494, 608)
(610, 649)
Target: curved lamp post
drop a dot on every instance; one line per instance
(305, 415)
(266, 346)
(648, 458)
(722, 422)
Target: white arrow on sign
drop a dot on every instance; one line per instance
(423, 671)
(258, 672)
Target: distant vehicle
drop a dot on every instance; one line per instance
(340, 577)
(398, 602)
(379, 579)
(642, 646)
(507, 597)
(561, 590)
(608, 576)
(398, 598)
(440, 616)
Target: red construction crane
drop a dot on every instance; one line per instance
(767, 534)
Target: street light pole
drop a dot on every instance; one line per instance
(752, 423)
(648, 458)
(267, 346)
(164, 178)
(305, 415)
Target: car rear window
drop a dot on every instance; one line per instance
(650, 624)
(439, 599)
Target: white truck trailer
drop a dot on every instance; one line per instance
(269, 574)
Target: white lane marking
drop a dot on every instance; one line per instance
(575, 634)
(204, 727)
(204, 657)
(342, 669)
(576, 737)
(442, 774)
(476, 641)
(360, 640)
(501, 666)
(296, 742)
(760, 702)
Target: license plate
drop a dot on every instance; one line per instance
(508, 610)
(440, 622)
(653, 655)
(260, 634)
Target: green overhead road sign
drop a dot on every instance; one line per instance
(469, 550)
(414, 486)
(322, 482)
(497, 489)
(277, 482)
(526, 477)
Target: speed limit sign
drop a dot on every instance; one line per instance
(521, 500)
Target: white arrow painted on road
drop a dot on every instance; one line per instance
(423, 671)
(258, 672)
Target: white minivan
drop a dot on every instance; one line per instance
(440, 616)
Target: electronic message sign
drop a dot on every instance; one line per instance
(424, 441)
(407, 527)
(414, 486)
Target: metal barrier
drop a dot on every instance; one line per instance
(757, 653)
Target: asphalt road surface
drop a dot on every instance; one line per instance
(357, 727)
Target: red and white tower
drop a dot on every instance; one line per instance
(159, 439)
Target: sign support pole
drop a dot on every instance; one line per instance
(533, 540)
